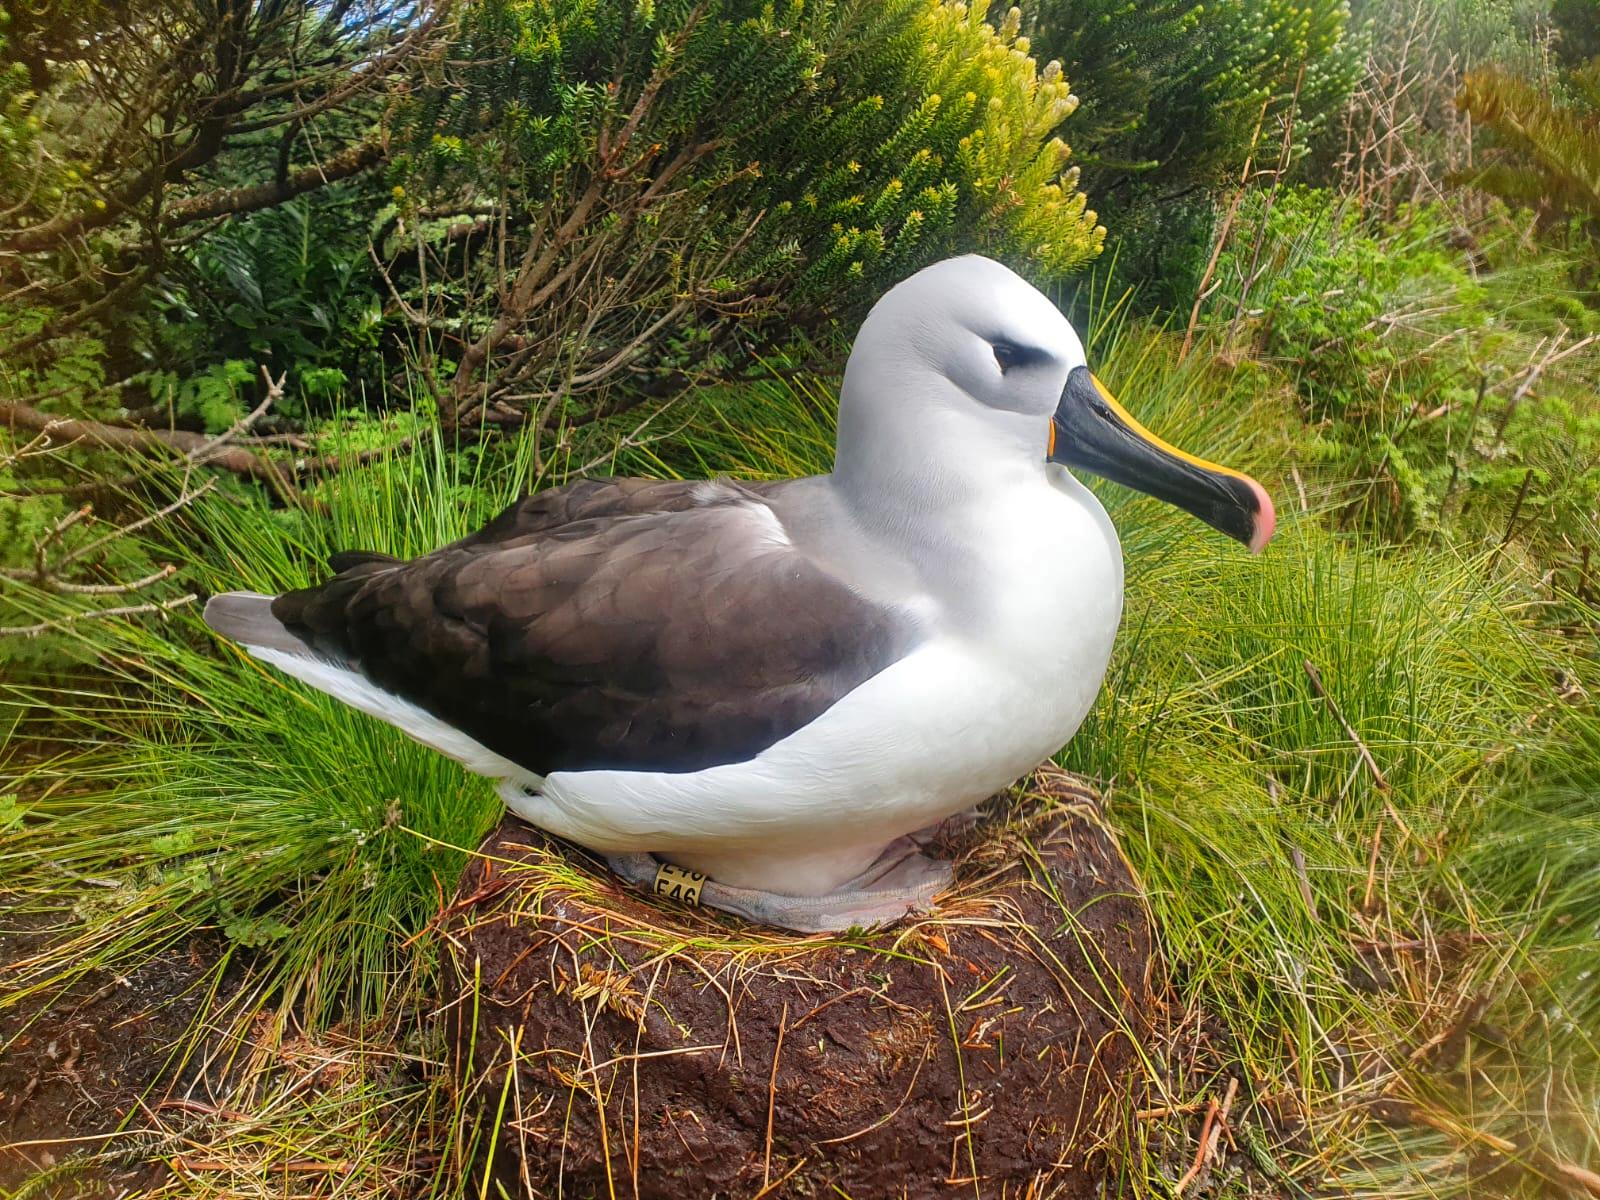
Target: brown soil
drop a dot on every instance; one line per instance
(673, 1053)
(74, 1063)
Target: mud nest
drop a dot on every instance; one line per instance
(611, 1045)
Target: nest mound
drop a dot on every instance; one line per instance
(619, 1047)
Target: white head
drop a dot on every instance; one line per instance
(966, 352)
(965, 377)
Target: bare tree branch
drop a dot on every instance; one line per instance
(195, 448)
(97, 614)
(351, 161)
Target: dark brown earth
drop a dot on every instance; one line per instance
(75, 1062)
(983, 1051)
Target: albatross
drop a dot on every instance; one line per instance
(760, 695)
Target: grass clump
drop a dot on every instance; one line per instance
(312, 835)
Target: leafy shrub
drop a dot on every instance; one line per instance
(1428, 356)
(289, 286)
(129, 134)
(1173, 94)
(660, 176)
(1578, 31)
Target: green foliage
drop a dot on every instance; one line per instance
(1514, 34)
(1409, 346)
(751, 161)
(176, 185)
(291, 287)
(1174, 93)
(868, 138)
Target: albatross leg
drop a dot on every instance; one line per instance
(902, 880)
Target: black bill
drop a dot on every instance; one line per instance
(1092, 432)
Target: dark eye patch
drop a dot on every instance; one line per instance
(1011, 354)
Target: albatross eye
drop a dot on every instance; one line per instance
(1009, 354)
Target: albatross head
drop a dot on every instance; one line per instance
(966, 368)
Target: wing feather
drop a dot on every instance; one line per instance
(629, 624)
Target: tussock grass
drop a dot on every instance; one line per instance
(1400, 975)
(206, 789)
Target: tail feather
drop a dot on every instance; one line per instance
(246, 617)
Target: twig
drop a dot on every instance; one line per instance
(65, 587)
(133, 526)
(1227, 1109)
(772, 1099)
(243, 424)
(129, 610)
(1534, 371)
(237, 459)
(298, 1165)
(47, 576)
(1367, 897)
(1202, 1152)
(1222, 238)
(1166, 1110)
(1516, 509)
(1285, 153)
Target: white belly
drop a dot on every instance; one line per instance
(964, 715)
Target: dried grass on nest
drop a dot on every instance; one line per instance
(984, 1046)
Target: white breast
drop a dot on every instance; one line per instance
(979, 704)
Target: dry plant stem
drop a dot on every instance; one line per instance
(1166, 1110)
(1580, 1177)
(1369, 896)
(1285, 152)
(1400, 945)
(1210, 1133)
(772, 1098)
(1361, 747)
(1204, 290)
(129, 610)
(770, 1188)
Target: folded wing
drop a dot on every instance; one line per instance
(599, 626)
